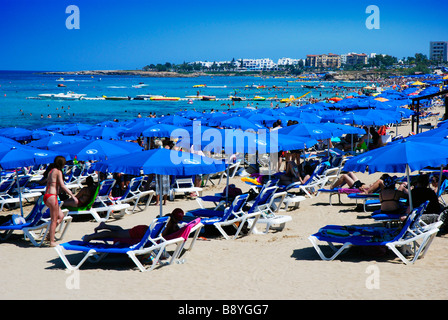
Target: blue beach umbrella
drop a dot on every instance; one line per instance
(18, 134)
(160, 130)
(404, 156)
(98, 149)
(241, 123)
(103, 133)
(162, 162)
(8, 141)
(395, 157)
(72, 129)
(352, 118)
(19, 157)
(54, 140)
(175, 120)
(310, 130)
(261, 118)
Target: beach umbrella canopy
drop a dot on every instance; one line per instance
(175, 120)
(394, 157)
(76, 128)
(98, 149)
(163, 162)
(39, 134)
(18, 134)
(379, 117)
(352, 118)
(54, 140)
(23, 156)
(103, 133)
(338, 129)
(241, 123)
(310, 130)
(191, 114)
(8, 141)
(161, 130)
(135, 128)
(261, 118)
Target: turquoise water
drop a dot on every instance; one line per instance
(17, 109)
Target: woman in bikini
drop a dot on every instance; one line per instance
(54, 183)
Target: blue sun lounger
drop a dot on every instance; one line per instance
(152, 244)
(35, 226)
(411, 235)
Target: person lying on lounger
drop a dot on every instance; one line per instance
(354, 183)
(135, 234)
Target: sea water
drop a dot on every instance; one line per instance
(20, 108)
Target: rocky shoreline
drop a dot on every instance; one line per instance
(140, 73)
(331, 76)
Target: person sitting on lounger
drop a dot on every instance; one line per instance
(135, 234)
(294, 174)
(84, 196)
(420, 193)
(390, 196)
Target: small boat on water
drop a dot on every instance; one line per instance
(61, 85)
(258, 98)
(233, 98)
(116, 98)
(208, 98)
(200, 86)
(62, 96)
(92, 98)
(193, 97)
(162, 98)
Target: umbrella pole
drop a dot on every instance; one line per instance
(20, 192)
(160, 195)
(227, 184)
(409, 188)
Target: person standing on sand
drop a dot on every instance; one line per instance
(55, 182)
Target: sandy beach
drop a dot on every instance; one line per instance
(277, 266)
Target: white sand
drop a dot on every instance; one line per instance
(281, 265)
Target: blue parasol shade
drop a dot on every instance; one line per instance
(238, 141)
(19, 157)
(7, 141)
(174, 120)
(380, 117)
(18, 134)
(54, 140)
(351, 118)
(135, 128)
(395, 157)
(241, 123)
(103, 133)
(310, 130)
(76, 128)
(339, 129)
(261, 118)
(98, 149)
(160, 130)
(163, 162)
(191, 114)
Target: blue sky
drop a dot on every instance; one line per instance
(131, 34)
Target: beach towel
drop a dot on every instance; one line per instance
(348, 190)
(183, 232)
